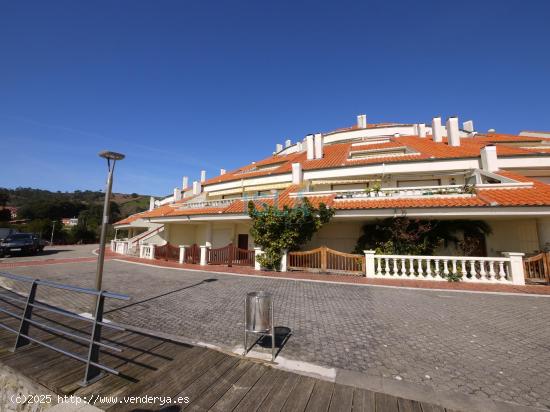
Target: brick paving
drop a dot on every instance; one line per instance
(489, 345)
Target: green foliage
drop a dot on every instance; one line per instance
(404, 236)
(5, 215)
(275, 229)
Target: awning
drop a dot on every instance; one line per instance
(226, 192)
(266, 187)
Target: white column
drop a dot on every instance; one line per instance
(152, 248)
(182, 253)
(297, 174)
(112, 245)
(436, 129)
(208, 237)
(203, 176)
(318, 146)
(257, 252)
(204, 250)
(516, 267)
(310, 150)
(284, 261)
(141, 250)
(370, 270)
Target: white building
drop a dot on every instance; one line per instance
(369, 171)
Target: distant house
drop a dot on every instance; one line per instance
(69, 221)
(13, 210)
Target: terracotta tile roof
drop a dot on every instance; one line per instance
(130, 219)
(388, 203)
(337, 155)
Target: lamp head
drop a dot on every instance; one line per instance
(111, 155)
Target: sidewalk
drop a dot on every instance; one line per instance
(420, 284)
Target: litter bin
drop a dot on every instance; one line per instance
(258, 318)
(259, 312)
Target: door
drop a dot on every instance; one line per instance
(242, 241)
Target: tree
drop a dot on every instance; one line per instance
(4, 198)
(404, 236)
(5, 215)
(275, 230)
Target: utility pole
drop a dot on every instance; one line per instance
(53, 228)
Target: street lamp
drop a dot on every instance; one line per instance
(111, 157)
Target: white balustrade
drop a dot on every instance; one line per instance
(147, 251)
(499, 270)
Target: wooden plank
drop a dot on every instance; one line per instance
(169, 380)
(202, 384)
(277, 397)
(407, 405)
(320, 397)
(430, 407)
(363, 401)
(342, 399)
(216, 391)
(299, 397)
(259, 391)
(385, 403)
(238, 391)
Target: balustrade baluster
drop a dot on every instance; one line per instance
(492, 274)
(482, 272)
(387, 266)
(446, 267)
(454, 267)
(473, 275)
(428, 269)
(403, 267)
(463, 269)
(420, 270)
(411, 266)
(395, 270)
(501, 273)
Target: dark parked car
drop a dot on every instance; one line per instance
(24, 243)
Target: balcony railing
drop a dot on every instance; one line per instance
(221, 202)
(375, 193)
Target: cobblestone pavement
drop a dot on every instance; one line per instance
(495, 346)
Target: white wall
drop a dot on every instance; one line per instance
(514, 235)
(341, 236)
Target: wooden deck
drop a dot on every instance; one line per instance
(210, 379)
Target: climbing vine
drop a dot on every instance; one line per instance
(275, 229)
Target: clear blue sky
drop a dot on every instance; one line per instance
(184, 85)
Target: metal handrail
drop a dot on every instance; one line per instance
(56, 285)
(93, 367)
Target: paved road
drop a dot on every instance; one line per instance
(495, 346)
(54, 252)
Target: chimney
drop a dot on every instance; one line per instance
(491, 131)
(489, 160)
(318, 143)
(203, 176)
(436, 129)
(177, 194)
(309, 147)
(453, 134)
(288, 143)
(362, 121)
(422, 130)
(278, 147)
(222, 172)
(297, 175)
(184, 183)
(468, 126)
(151, 203)
(196, 188)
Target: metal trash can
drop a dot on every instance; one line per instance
(258, 318)
(259, 312)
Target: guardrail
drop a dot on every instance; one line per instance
(93, 366)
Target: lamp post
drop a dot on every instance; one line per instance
(111, 157)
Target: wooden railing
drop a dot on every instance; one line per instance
(167, 252)
(324, 259)
(230, 255)
(537, 268)
(192, 254)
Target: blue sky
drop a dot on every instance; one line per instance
(181, 86)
